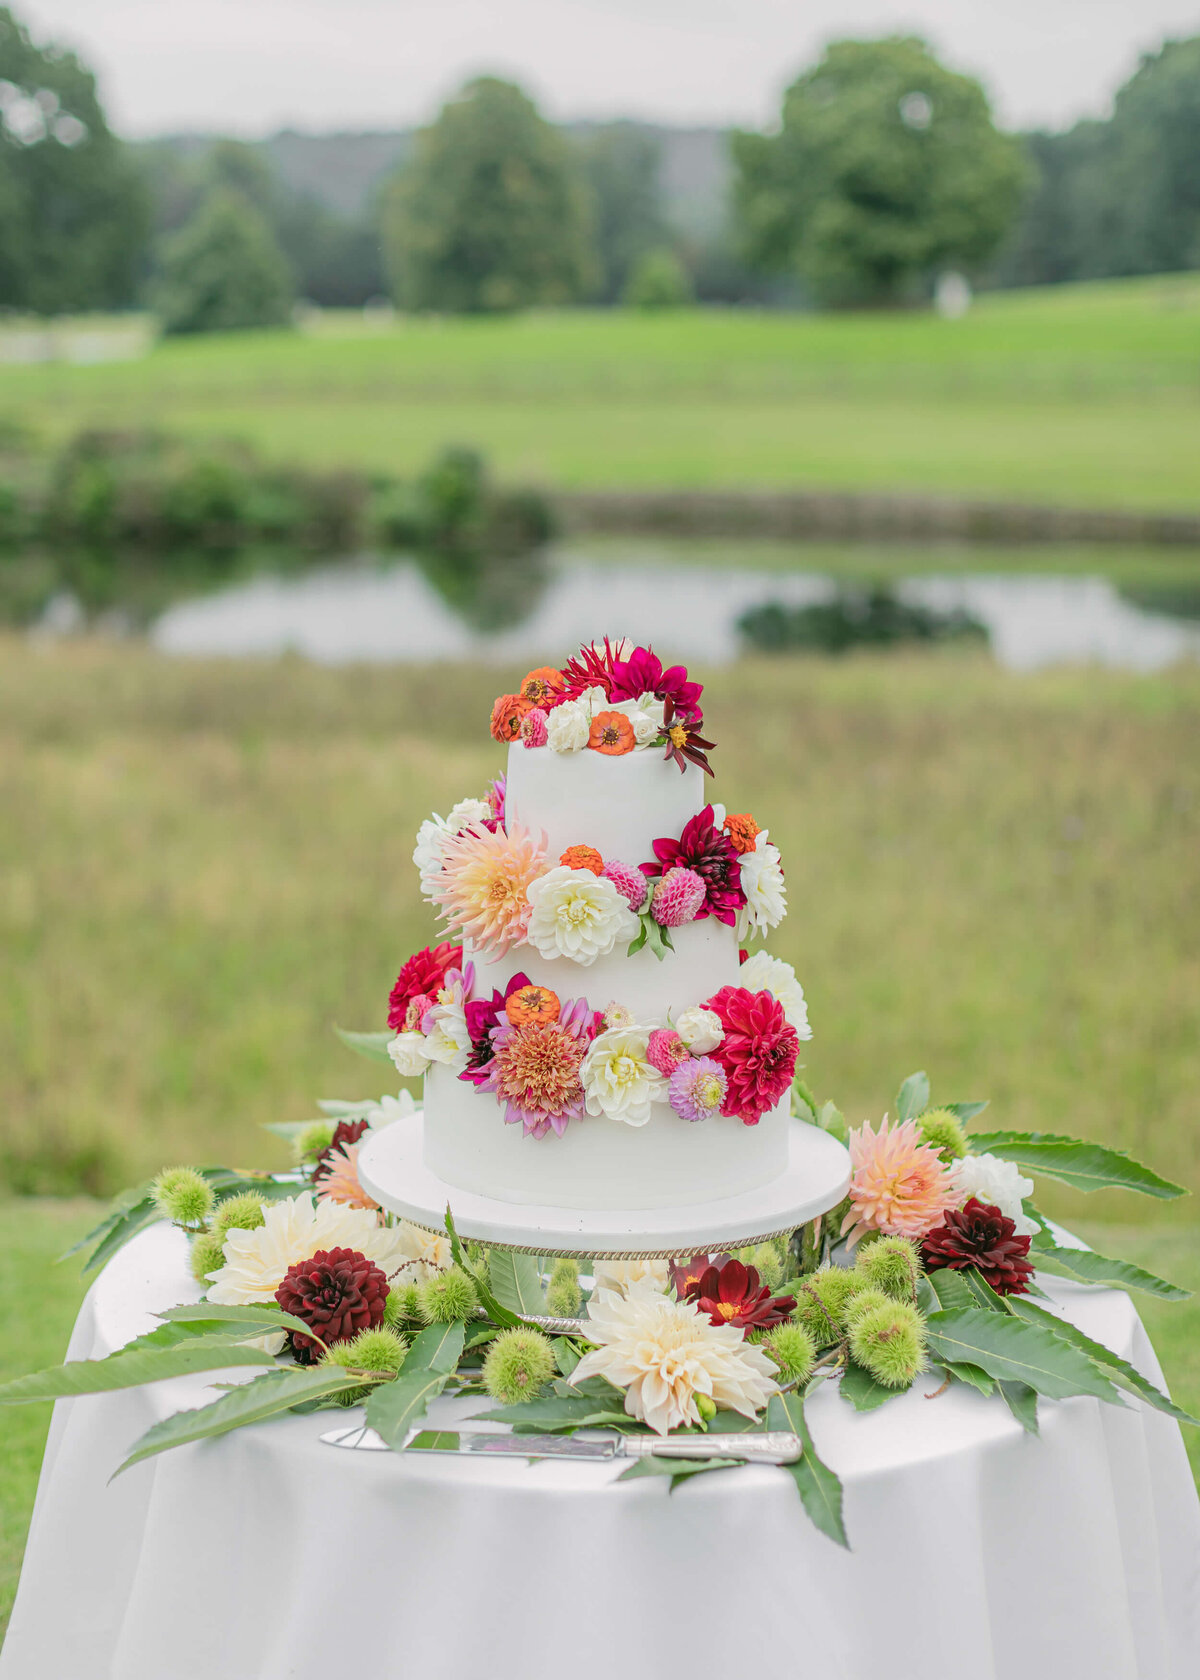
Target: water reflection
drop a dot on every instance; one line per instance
(390, 612)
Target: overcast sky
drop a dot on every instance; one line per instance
(252, 66)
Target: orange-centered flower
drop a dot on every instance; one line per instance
(532, 1003)
(677, 735)
(507, 714)
(743, 831)
(540, 685)
(583, 857)
(612, 733)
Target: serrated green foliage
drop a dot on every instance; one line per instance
(372, 1045)
(1010, 1349)
(679, 1470)
(1022, 1402)
(130, 1367)
(971, 1375)
(832, 1120)
(913, 1097)
(566, 1354)
(1084, 1166)
(820, 1490)
(950, 1289)
(394, 1408)
(438, 1348)
(966, 1111)
(498, 1313)
(516, 1282)
(1124, 1374)
(859, 1387)
(1084, 1265)
(256, 1320)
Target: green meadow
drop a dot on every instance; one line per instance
(1081, 395)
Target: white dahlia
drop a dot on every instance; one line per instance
(293, 1230)
(664, 1353)
(618, 1081)
(568, 727)
(763, 885)
(389, 1108)
(700, 1029)
(762, 973)
(622, 1275)
(422, 1253)
(433, 835)
(410, 1052)
(444, 1027)
(578, 915)
(997, 1183)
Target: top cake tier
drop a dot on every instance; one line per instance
(619, 805)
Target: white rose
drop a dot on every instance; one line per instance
(618, 1081)
(577, 914)
(466, 812)
(997, 1183)
(763, 885)
(568, 727)
(645, 715)
(427, 855)
(409, 1052)
(762, 973)
(700, 1029)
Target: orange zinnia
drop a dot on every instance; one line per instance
(583, 857)
(539, 685)
(743, 831)
(507, 714)
(611, 732)
(532, 1003)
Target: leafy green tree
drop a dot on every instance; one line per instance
(659, 281)
(224, 270)
(621, 164)
(886, 167)
(1154, 158)
(491, 214)
(73, 210)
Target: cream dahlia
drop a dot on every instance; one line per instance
(899, 1185)
(293, 1230)
(763, 973)
(389, 1108)
(618, 1081)
(422, 1253)
(622, 1275)
(763, 886)
(484, 885)
(996, 1183)
(578, 915)
(665, 1353)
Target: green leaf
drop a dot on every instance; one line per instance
(639, 938)
(553, 1412)
(981, 1291)
(678, 1469)
(516, 1282)
(498, 1314)
(1010, 1349)
(862, 1391)
(393, 1408)
(972, 1375)
(1083, 1265)
(372, 1045)
(965, 1111)
(927, 1300)
(913, 1097)
(566, 1354)
(1084, 1166)
(256, 1320)
(820, 1490)
(252, 1402)
(131, 1203)
(1021, 1401)
(949, 1289)
(1124, 1374)
(333, 1109)
(438, 1348)
(832, 1120)
(804, 1104)
(130, 1367)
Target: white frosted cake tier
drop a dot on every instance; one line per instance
(620, 805)
(597, 1163)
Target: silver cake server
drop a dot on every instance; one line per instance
(772, 1447)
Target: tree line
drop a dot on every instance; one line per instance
(884, 169)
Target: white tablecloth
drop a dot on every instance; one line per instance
(978, 1550)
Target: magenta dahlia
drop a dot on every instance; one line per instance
(758, 1052)
(665, 1050)
(643, 673)
(483, 1016)
(421, 976)
(981, 1236)
(704, 848)
(337, 1292)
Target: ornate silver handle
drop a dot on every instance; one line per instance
(775, 1446)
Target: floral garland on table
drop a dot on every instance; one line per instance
(550, 1061)
(932, 1261)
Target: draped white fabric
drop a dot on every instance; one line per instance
(978, 1549)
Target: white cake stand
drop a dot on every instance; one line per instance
(391, 1168)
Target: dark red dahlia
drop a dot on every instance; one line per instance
(422, 974)
(686, 1274)
(346, 1131)
(337, 1292)
(758, 1051)
(642, 673)
(710, 853)
(483, 1017)
(684, 742)
(979, 1235)
(735, 1294)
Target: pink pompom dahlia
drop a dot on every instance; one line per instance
(703, 848)
(758, 1052)
(900, 1185)
(665, 1050)
(484, 886)
(629, 882)
(678, 898)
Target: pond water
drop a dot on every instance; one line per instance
(391, 612)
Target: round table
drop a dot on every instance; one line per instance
(977, 1548)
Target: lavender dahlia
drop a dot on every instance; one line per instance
(697, 1088)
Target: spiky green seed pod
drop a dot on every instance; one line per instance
(206, 1255)
(309, 1143)
(768, 1262)
(519, 1364)
(820, 1300)
(889, 1342)
(943, 1131)
(380, 1350)
(565, 1268)
(239, 1213)
(792, 1349)
(478, 1256)
(181, 1195)
(892, 1264)
(447, 1297)
(403, 1306)
(863, 1300)
(564, 1297)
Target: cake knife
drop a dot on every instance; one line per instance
(770, 1447)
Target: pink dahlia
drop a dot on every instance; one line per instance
(485, 883)
(703, 848)
(630, 883)
(421, 976)
(665, 1050)
(642, 673)
(678, 897)
(758, 1051)
(340, 1182)
(900, 1185)
(495, 798)
(533, 728)
(697, 1088)
(535, 1069)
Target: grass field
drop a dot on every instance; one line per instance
(1086, 394)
